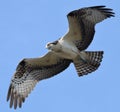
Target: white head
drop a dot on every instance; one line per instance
(54, 46)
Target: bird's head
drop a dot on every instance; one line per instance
(53, 46)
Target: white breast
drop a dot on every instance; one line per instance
(69, 50)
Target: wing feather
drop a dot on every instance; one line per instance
(82, 24)
(31, 71)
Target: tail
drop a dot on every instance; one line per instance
(88, 62)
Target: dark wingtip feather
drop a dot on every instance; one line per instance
(107, 11)
(11, 99)
(100, 6)
(20, 102)
(9, 93)
(15, 100)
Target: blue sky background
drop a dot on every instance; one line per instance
(25, 28)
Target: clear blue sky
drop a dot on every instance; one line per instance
(25, 28)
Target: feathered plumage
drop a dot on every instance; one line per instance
(66, 50)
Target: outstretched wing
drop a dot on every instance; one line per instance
(29, 72)
(82, 24)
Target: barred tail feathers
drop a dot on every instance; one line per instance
(89, 63)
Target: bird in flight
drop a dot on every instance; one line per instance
(68, 49)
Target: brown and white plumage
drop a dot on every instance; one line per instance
(82, 24)
(66, 50)
(29, 72)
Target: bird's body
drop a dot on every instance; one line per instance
(68, 49)
(65, 49)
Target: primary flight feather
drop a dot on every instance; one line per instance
(68, 49)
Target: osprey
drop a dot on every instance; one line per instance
(68, 49)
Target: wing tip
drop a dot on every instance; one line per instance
(107, 11)
(15, 99)
(9, 93)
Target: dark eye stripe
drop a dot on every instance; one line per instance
(55, 42)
